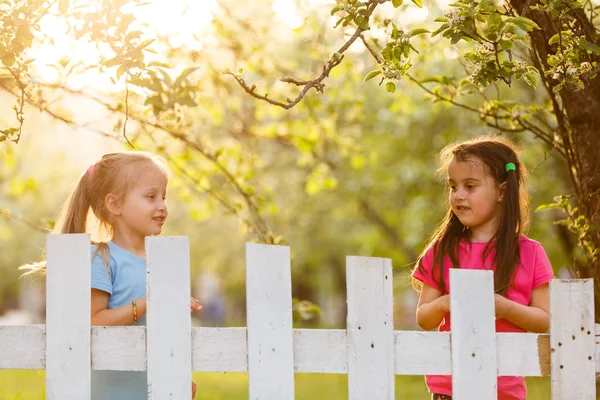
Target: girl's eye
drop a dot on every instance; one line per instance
(470, 187)
(150, 196)
(453, 188)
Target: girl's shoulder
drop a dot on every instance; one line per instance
(530, 248)
(527, 242)
(102, 252)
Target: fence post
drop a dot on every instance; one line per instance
(370, 328)
(169, 330)
(473, 335)
(68, 281)
(572, 339)
(269, 320)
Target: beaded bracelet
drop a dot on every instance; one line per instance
(134, 311)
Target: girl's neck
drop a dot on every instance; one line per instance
(481, 236)
(133, 245)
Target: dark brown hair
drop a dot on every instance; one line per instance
(495, 153)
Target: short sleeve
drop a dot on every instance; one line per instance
(542, 270)
(101, 277)
(423, 271)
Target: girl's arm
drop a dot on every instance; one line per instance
(103, 316)
(432, 308)
(534, 318)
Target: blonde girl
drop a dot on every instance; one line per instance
(125, 193)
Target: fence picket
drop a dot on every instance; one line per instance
(269, 320)
(370, 328)
(572, 339)
(169, 331)
(68, 279)
(473, 325)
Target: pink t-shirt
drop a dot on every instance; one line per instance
(534, 270)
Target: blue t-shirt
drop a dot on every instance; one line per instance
(125, 281)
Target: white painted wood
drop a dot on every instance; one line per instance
(68, 282)
(422, 353)
(119, 348)
(23, 347)
(473, 335)
(523, 354)
(169, 324)
(269, 320)
(370, 328)
(572, 339)
(219, 350)
(315, 350)
(320, 351)
(597, 347)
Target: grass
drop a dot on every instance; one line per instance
(29, 385)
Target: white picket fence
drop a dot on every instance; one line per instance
(271, 351)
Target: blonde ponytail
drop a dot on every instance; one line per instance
(72, 219)
(114, 174)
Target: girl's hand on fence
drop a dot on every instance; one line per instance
(195, 304)
(193, 390)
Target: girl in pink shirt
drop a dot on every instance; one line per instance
(488, 211)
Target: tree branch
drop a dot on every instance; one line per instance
(316, 83)
(259, 224)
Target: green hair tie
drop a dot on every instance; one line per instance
(510, 167)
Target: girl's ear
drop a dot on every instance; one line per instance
(501, 191)
(112, 204)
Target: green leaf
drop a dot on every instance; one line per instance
(155, 101)
(526, 23)
(438, 79)
(152, 84)
(335, 9)
(440, 29)
(550, 206)
(159, 64)
(394, 31)
(418, 31)
(2, 138)
(557, 88)
(390, 87)
(531, 79)
(594, 48)
(63, 6)
(122, 69)
(505, 44)
(145, 44)
(8, 59)
(114, 61)
(554, 39)
(397, 3)
(456, 37)
(362, 22)
(184, 74)
(419, 3)
(372, 75)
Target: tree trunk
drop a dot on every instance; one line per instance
(578, 116)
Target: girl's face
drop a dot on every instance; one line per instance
(143, 210)
(475, 197)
